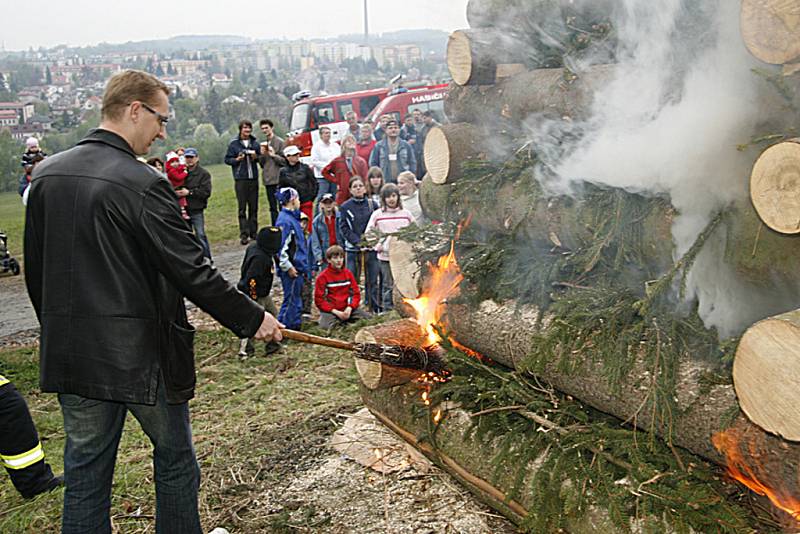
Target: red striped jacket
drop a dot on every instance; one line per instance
(336, 289)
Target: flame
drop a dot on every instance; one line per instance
(437, 416)
(728, 443)
(443, 284)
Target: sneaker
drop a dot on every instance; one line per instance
(219, 530)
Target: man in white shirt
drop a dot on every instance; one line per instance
(323, 153)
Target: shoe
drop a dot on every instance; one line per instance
(219, 530)
(272, 347)
(245, 240)
(54, 483)
(306, 316)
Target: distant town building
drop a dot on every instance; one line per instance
(23, 110)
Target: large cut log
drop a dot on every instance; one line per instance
(555, 93)
(376, 375)
(775, 187)
(766, 374)
(505, 333)
(433, 199)
(405, 269)
(480, 57)
(448, 146)
(544, 13)
(771, 29)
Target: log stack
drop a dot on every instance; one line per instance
(766, 259)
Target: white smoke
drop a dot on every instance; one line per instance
(669, 123)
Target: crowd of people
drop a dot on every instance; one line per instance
(358, 190)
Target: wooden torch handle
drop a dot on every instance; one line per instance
(316, 340)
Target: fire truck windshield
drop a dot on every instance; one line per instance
(300, 116)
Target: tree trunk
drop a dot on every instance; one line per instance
(775, 187)
(554, 93)
(405, 269)
(448, 146)
(504, 333)
(771, 29)
(766, 372)
(433, 199)
(479, 57)
(375, 375)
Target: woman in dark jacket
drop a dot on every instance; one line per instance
(299, 177)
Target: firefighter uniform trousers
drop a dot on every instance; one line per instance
(20, 450)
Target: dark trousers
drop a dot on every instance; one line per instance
(354, 260)
(20, 451)
(247, 199)
(199, 226)
(274, 209)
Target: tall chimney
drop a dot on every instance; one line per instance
(366, 24)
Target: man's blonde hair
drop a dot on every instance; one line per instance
(128, 86)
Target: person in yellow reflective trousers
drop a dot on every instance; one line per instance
(20, 450)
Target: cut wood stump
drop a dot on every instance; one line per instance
(766, 374)
(375, 375)
(771, 29)
(405, 270)
(775, 187)
(480, 57)
(448, 146)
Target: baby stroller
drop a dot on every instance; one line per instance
(7, 263)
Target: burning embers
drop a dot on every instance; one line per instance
(745, 467)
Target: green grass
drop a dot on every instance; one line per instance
(254, 423)
(220, 216)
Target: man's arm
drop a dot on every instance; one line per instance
(374, 156)
(232, 155)
(203, 189)
(412, 159)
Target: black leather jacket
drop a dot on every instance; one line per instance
(107, 258)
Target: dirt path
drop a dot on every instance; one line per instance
(18, 324)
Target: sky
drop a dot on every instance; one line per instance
(88, 22)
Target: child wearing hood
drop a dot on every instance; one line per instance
(293, 260)
(176, 174)
(258, 270)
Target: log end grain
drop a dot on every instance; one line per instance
(771, 29)
(766, 372)
(775, 187)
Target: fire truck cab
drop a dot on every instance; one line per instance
(309, 113)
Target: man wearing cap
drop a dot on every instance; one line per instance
(196, 189)
(300, 177)
(271, 159)
(392, 154)
(323, 230)
(108, 262)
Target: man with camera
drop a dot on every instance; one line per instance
(242, 156)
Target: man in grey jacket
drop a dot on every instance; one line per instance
(271, 160)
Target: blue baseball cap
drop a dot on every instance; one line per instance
(190, 152)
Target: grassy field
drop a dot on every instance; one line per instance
(221, 215)
(253, 422)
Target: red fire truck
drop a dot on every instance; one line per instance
(309, 113)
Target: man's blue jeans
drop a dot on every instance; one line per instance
(199, 227)
(93, 429)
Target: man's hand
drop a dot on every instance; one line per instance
(182, 192)
(270, 329)
(240, 157)
(292, 272)
(339, 315)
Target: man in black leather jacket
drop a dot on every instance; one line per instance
(107, 261)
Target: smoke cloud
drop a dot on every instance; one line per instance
(683, 97)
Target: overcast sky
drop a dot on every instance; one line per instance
(85, 22)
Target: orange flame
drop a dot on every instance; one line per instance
(728, 443)
(443, 284)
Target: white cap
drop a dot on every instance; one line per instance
(31, 142)
(291, 150)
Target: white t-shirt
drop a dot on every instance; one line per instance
(322, 154)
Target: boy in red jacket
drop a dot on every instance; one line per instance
(336, 292)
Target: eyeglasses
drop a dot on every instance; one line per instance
(162, 119)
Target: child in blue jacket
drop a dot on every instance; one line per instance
(353, 218)
(293, 259)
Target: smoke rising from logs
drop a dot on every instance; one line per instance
(683, 97)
